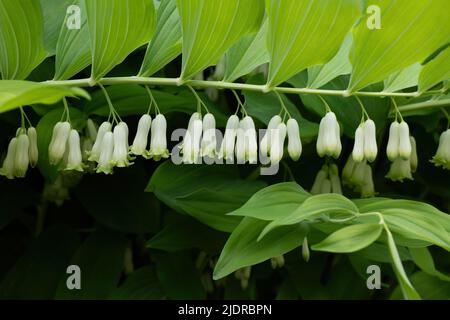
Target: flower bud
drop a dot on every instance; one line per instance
(335, 180)
(265, 141)
(105, 164)
(348, 169)
(294, 141)
(120, 150)
(209, 142)
(358, 174)
(400, 170)
(320, 177)
(228, 143)
(7, 169)
(393, 142)
(21, 160)
(370, 140)
(358, 147)
(305, 250)
(95, 152)
(58, 143)
(404, 146)
(33, 152)
(413, 159)
(158, 141)
(442, 157)
(141, 139)
(277, 143)
(277, 262)
(368, 188)
(75, 158)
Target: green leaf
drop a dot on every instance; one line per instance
(100, 259)
(350, 239)
(305, 33)
(340, 64)
(37, 273)
(205, 192)
(73, 50)
(430, 288)
(408, 34)
(116, 29)
(21, 38)
(16, 93)
(407, 289)
(424, 260)
(246, 54)
(313, 207)
(179, 277)
(53, 13)
(435, 71)
(44, 131)
(166, 43)
(141, 284)
(243, 249)
(106, 199)
(269, 203)
(406, 78)
(210, 27)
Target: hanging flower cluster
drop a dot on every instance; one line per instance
(358, 176)
(327, 180)
(401, 151)
(365, 147)
(22, 153)
(442, 157)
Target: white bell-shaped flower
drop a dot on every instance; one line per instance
(370, 140)
(400, 170)
(91, 129)
(105, 127)
(442, 156)
(158, 140)
(334, 179)
(320, 178)
(251, 140)
(57, 146)
(7, 169)
(240, 143)
(393, 141)
(277, 138)
(33, 152)
(120, 152)
(229, 140)
(191, 143)
(294, 141)
(140, 141)
(265, 141)
(209, 142)
(358, 146)
(414, 161)
(75, 158)
(404, 145)
(329, 140)
(105, 163)
(22, 160)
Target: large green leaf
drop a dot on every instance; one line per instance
(430, 288)
(116, 29)
(73, 50)
(246, 54)
(17, 93)
(243, 249)
(166, 44)
(312, 208)
(21, 38)
(424, 260)
(100, 259)
(435, 71)
(408, 34)
(271, 202)
(53, 13)
(340, 64)
(210, 27)
(350, 239)
(406, 78)
(37, 273)
(305, 33)
(205, 192)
